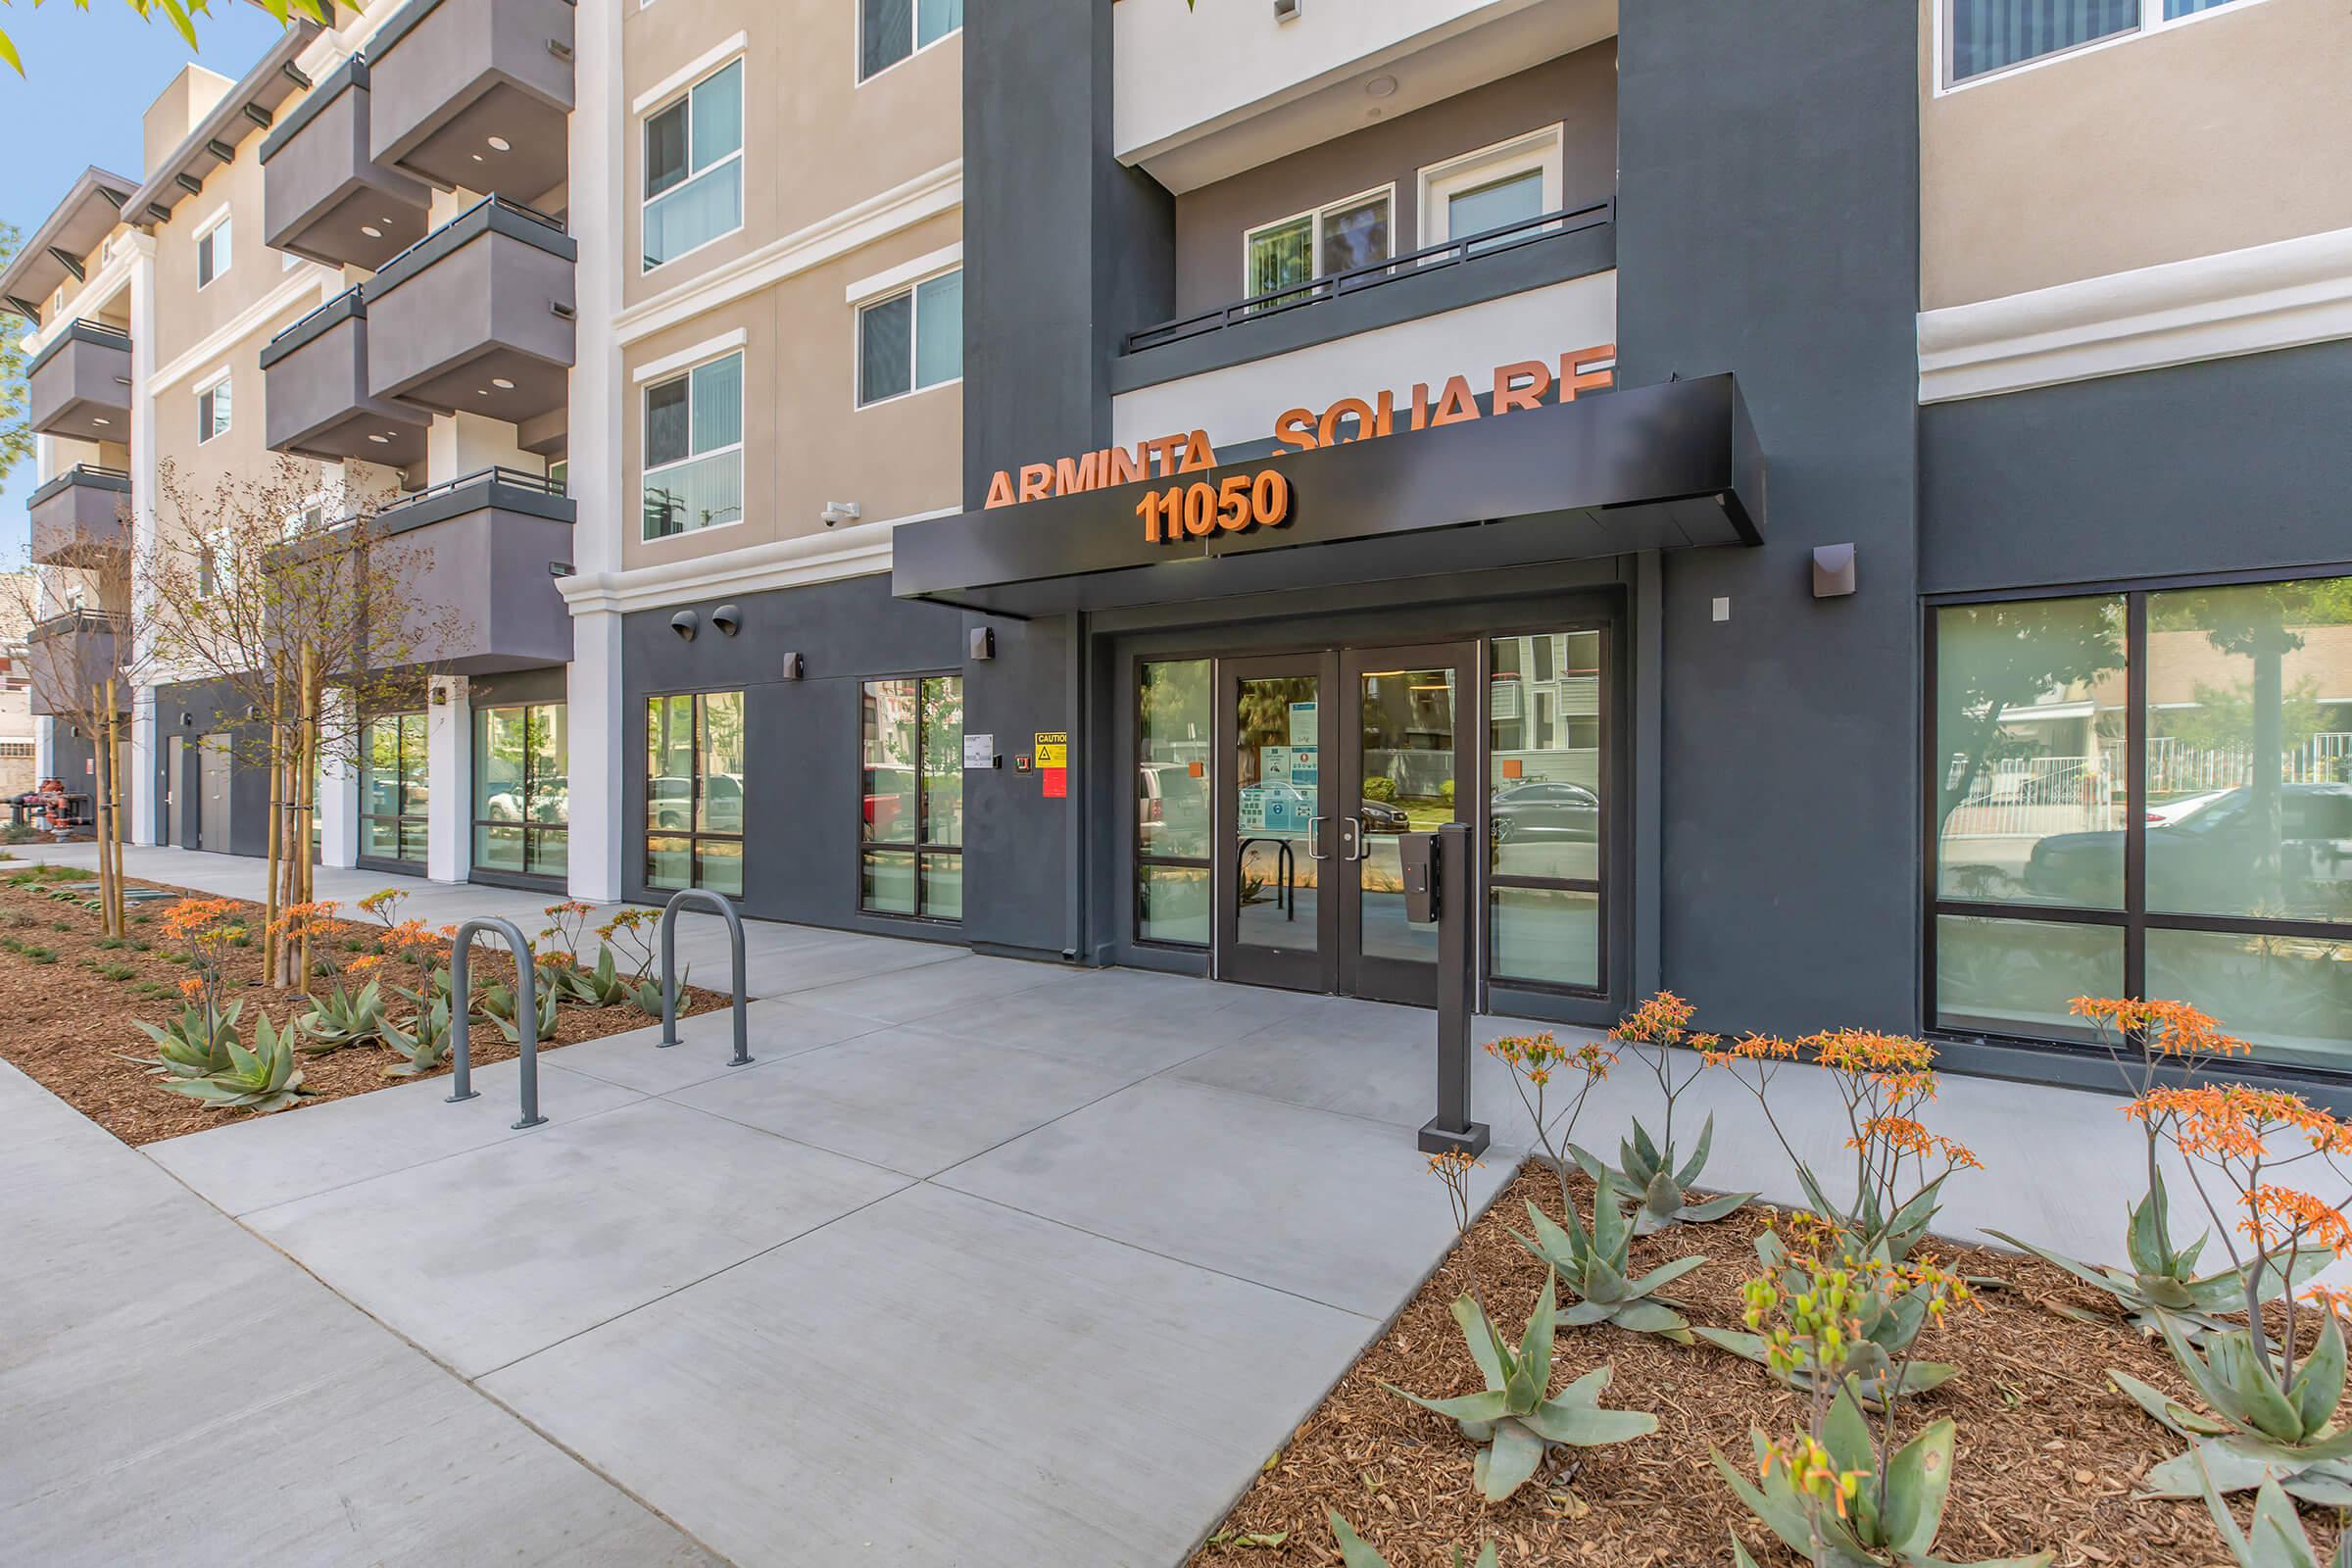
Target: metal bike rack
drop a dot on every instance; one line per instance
(669, 969)
(526, 1013)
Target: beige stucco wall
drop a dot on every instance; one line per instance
(806, 441)
(185, 316)
(240, 451)
(816, 140)
(2209, 136)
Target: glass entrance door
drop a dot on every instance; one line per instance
(1276, 919)
(1403, 770)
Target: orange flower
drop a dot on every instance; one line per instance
(2335, 1300)
(191, 986)
(1658, 1021)
(2165, 1028)
(570, 906)
(366, 962)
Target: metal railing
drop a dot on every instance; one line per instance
(1356, 279)
(95, 470)
(73, 620)
(669, 969)
(521, 209)
(526, 1013)
(313, 316)
(517, 479)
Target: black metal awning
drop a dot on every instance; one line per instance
(1653, 468)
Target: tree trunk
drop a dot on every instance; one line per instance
(117, 926)
(270, 905)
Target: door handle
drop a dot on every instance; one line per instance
(1352, 838)
(1314, 838)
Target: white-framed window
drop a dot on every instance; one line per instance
(214, 245)
(911, 339)
(212, 409)
(694, 449)
(694, 166)
(1354, 231)
(1493, 187)
(1982, 39)
(892, 31)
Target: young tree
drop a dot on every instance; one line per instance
(252, 587)
(16, 434)
(182, 15)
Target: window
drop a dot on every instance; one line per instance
(1989, 35)
(694, 167)
(911, 853)
(521, 793)
(1509, 182)
(213, 251)
(890, 31)
(394, 787)
(911, 341)
(694, 449)
(694, 773)
(212, 411)
(1350, 233)
(1172, 867)
(2147, 793)
(1546, 823)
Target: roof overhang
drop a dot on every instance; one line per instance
(246, 109)
(55, 252)
(1653, 468)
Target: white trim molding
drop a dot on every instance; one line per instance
(860, 551)
(289, 293)
(946, 259)
(689, 73)
(2281, 295)
(924, 197)
(711, 347)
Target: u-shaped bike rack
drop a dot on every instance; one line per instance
(670, 968)
(526, 1013)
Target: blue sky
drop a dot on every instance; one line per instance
(90, 75)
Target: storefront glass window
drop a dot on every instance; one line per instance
(1546, 817)
(910, 858)
(2227, 885)
(521, 793)
(694, 761)
(1173, 727)
(393, 788)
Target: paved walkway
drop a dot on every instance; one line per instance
(980, 1261)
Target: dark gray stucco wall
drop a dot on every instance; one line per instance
(2236, 464)
(1768, 226)
(210, 709)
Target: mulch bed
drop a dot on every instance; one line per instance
(2049, 1457)
(69, 1027)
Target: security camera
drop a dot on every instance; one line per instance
(838, 512)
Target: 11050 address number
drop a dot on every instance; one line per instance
(1196, 511)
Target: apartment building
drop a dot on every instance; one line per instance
(1076, 480)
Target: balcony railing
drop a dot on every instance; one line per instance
(477, 315)
(487, 549)
(500, 476)
(1357, 280)
(79, 384)
(77, 519)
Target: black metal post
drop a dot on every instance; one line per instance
(1451, 1128)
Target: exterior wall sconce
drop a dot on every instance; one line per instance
(1832, 570)
(686, 623)
(984, 643)
(794, 668)
(728, 618)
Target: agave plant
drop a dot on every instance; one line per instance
(261, 1080)
(1596, 1265)
(2278, 1540)
(340, 1018)
(192, 1045)
(604, 985)
(1661, 1192)
(2263, 1428)
(1356, 1553)
(1891, 1506)
(498, 1005)
(1516, 1421)
(425, 1043)
(1886, 1316)
(2163, 1280)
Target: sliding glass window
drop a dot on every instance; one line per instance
(694, 766)
(1546, 817)
(393, 788)
(911, 851)
(521, 793)
(1172, 867)
(2147, 794)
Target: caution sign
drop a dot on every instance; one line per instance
(1054, 751)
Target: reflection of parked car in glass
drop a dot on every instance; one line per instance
(1171, 809)
(2204, 858)
(669, 803)
(1378, 817)
(1541, 809)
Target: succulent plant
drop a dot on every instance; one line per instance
(1356, 1553)
(2263, 1428)
(1660, 1190)
(261, 1080)
(1885, 1323)
(604, 985)
(497, 1004)
(192, 1045)
(2278, 1539)
(1891, 1513)
(1516, 1421)
(1596, 1265)
(339, 1019)
(423, 1045)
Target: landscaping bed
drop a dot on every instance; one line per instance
(2051, 1456)
(72, 999)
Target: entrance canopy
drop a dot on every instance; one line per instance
(1653, 468)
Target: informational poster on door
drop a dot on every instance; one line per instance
(1303, 724)
(1296, 766)
(1252, 803)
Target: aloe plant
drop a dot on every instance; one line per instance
(192, 1045)
(1597, 1264)
(261, 1080)
(1884, 1323)
(2278, 1540)
(339, 1019)
(1661, 1192)
(1516, 1421)
(425, 1043)
(2263, 1427)
(1357, 1552)
(2163, 1282)
(1889, 1519)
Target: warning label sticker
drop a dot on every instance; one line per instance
(1052, 750)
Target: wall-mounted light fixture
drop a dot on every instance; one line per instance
(794, 668)
(559, 569)
(686, 623)
(187, 720)
(984, 643)
(1832, 570)
(728, 618)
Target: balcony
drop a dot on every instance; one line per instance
(475, 93)
(68, 658)
(477, 552)
(324, 195)
(477, 315)
(80, 518)
(80, 385)
(315, 380)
